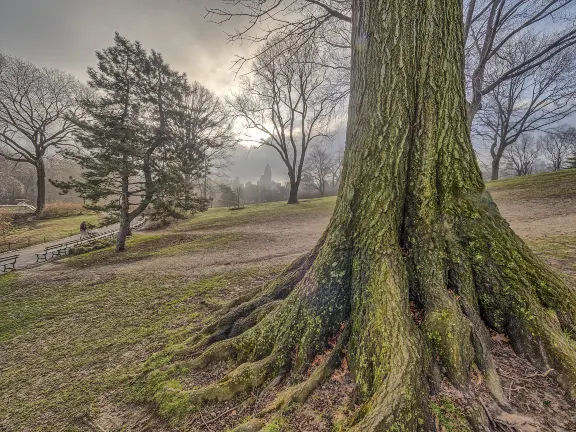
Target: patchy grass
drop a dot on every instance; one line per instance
(142, 246)
(559, 184)
(41, 231)
(73, 335)
(63, 344)
(221, 217)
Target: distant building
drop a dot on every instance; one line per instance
(266, 180)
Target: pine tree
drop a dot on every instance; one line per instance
(130, 156)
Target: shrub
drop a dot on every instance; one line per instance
(92, 246)
(59, 209)
(6, 221)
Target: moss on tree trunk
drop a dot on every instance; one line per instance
(412, 222)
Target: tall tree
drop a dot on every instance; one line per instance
(289, 102)
(558, 146)
(320, 167)
(207, 131)
(490, 26)
(413, 222)
(520, 157)
(536, 100)
(132, 155)
(34, 105)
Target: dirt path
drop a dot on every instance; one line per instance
(538, 217)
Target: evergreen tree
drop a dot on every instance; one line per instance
(131, 153)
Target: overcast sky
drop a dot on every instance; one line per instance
(64, 34)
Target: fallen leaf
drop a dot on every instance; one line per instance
(500, 338)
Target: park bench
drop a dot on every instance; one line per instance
(8, 263)
(54, 250)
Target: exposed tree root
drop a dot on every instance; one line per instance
(393, 360)
(253, 425)
(299, 393)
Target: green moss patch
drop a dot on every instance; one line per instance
(65, 343)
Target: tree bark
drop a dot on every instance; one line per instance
(412, 223)
(40, 186)
(124, 229)
(495, 174)
(293, 197)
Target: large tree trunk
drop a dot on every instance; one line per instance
(412, 222)
(40, 186)
(293, 197)
(495, 167)
(124, 229)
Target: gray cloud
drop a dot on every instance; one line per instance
(65, 33)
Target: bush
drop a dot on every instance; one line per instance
(59, 209)
(6, 221)
(92, 246)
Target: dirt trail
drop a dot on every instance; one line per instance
(538, 217)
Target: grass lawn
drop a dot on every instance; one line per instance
(557, 184)
(222, 217)
(41, 231)
(65, 344)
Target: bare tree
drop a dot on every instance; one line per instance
(535, 100)
(521, 156)
(557, 147)
(206, 129)
(491, 26)
(288, 102)
(34, 105)
(320, 167)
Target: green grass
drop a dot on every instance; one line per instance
(41, 231)
(222, 217)
(63, 345)
(143, 246)
(559, 184)
(449, 416)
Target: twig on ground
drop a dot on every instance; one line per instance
(487, 413)
(204, 421)
(510, 390)
(544, 375)
(226, 412)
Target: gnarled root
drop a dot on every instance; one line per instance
(299, 393)
(479, 273)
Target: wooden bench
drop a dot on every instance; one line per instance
(8, 263)
(54, 250)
